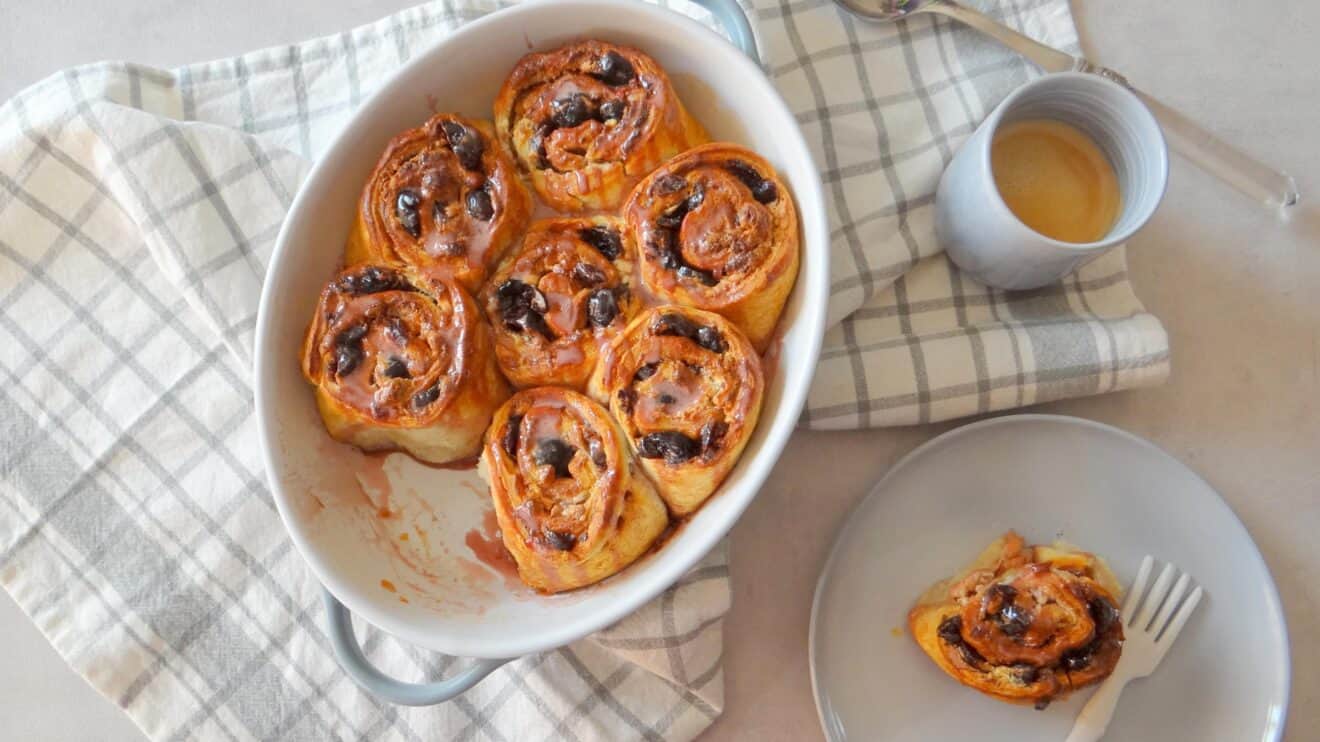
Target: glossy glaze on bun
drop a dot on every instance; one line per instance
(1024, 624)
(402, 361)
(444, 198)
(586, 121)
(557, 297)
(717, 229)
(686, 386)
(571, 505)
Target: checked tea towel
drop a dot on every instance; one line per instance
(138, 208)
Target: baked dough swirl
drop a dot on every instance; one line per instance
(1025, 624)
(587, 120)
(686, 386)
(444, 197)
(559, 296)
(571, 508)
(718, 230)
(402, 361)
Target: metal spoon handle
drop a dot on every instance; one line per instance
(1046, 57)
(1230, 165)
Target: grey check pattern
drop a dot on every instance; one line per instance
(138, 209)
(911, 340)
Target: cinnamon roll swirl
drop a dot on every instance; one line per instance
(559, 296)
(686, 386)
(589, 119)
(572, 510)
(718, 230)
(1025, 624)
(442, 197)
(402, 361)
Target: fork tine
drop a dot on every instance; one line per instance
(1138, 587)
(1155, 597)
(1176, 625)
(1170, 603)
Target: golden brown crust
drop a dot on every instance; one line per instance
(401, 358)
(686, 386)
(1024, 624)
(558, 297)
(587, 120)
(402, 361)
(571, 509)
(717, 229)
(443, 197)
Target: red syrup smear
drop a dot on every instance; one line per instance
(376, 483)
(488, 547)
(379, 490)
(464, 464)
(481, 492)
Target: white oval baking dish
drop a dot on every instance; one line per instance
(317, 483)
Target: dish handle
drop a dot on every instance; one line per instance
(733, 19)
(377, 683)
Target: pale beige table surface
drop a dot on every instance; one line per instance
(1238, 291)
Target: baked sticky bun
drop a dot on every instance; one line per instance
(402, 361)
(444, 196)
(717, 229)
(1025, 624)
(557, 297)
(686, 386)
(572, 510)
(586, 121)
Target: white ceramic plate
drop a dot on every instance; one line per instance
(1047, 477)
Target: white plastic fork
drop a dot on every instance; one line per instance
(1147, 640)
